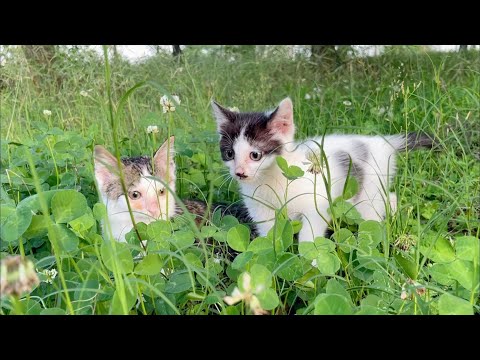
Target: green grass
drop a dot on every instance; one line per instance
(368, 267)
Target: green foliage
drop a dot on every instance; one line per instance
(422, 259)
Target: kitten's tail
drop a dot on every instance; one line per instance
(412, 141)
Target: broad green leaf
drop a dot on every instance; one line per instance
(296, 226)
(266, 258)
(370, 310)
(53, 311)
(441, 274)
(268, 299)
(159, 230)
(33, 202)
(99, 211)
(462, 271)
(282, 233)
(82, 224)
(183, 238)
(332, 304)
(351, 187)
(324, 244)
(240, 262)
(228, 222)
(441, 252)
(308, 250)
(370, 234)
(467, 247)
(65, 238)
(62, 147)
(328, 263)
(123, 257)
(208, 231)
(178, 282)
(282, 163)
(451, 305)
(151, 264)
(5, 199)
(14, 222)
(334, 287)
(193, 260)
(345, 239)
(294, 172)
(68, 205)
(116, 307)
(238, 237)
(259, 244)
(407, 264)
(289, 267)
(261, 277)
(38, 227)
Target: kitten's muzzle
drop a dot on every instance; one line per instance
(241, 175)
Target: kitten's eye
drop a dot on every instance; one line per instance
(255, 155)
(134, 195)
(229, 154)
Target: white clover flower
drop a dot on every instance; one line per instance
(308, 96)
(50, 274)
(234, 109)
(347, 103)
(167, 105)
(247, 295)
(47, 113)
(84, 93)
(152, 129)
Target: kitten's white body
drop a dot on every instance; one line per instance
(269, 187)
(251, 141)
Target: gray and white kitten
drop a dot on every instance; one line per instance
(250, 142)
(148, 197)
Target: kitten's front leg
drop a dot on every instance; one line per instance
(313, 226)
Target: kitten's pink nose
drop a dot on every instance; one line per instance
(153, 210)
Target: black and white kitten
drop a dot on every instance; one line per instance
(250, 142)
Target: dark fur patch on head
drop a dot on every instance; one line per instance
(356, 169)
(132, 172)
(256, 132)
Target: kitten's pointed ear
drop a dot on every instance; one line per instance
(222, 115)
(160, 160)
(106, 168)
(281, 120)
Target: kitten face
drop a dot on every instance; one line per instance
(249, 142)
(147, 197)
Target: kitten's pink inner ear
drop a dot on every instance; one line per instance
(105, 164)
(160, 158)
(282, 121)
(221, 114)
